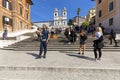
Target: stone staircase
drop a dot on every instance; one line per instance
(60, 64)
(57, 45)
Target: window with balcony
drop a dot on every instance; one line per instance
(7, 20)
(100, 13)
(7, 4)
(110, 21)
(111, 6)
(99, 1)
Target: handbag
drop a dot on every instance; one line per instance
(100, 44)
(110, 36)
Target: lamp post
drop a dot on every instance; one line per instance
(78, 12)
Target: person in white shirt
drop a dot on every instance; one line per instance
(98, 43)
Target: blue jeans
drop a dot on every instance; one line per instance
(43, 46)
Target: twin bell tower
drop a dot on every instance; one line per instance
(60, 17)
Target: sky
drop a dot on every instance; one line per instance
(42, 10)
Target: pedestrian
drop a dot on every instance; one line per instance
(5, 34)
(83, 38)
(73, 36)
(112, 36)
(52, 32)
(45, 36)
(38, 34)
(98, 43)
(67, 34)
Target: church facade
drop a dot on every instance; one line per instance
(59, 20)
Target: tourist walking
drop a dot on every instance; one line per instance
(98, 43)
(67, 34)
(73, 36)
(45, 36)
(5, 34)
(83, 38)
(52, 32)
(112, 36)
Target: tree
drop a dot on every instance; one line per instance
(85, 24)
(78, 13)
(70, 22)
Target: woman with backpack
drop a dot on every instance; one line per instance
(98, 43)
(83, 38)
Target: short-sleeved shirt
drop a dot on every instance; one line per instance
(97, 35)
(45, 35)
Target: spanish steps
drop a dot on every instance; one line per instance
(58, 44)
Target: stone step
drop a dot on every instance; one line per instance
(55, 69)
(62, 47)
(54, 43)
(57, 49)
(58, 44)
(58, 73)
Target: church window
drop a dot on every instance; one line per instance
(55, 14)
(64, 13)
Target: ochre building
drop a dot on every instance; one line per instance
(108, 13)
(15, 15)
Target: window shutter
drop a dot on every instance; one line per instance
(3, 20)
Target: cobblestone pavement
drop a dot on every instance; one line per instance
(23, 65)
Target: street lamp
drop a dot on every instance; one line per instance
(78, 12)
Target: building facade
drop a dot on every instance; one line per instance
(15, 15)
(59, 19)
(47, 23)
(90, 17)
(78, 22)
(108, 13)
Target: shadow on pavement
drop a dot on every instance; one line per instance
(33, 54)
(67, 52)
(81, 56)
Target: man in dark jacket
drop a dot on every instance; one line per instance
(45, 36)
